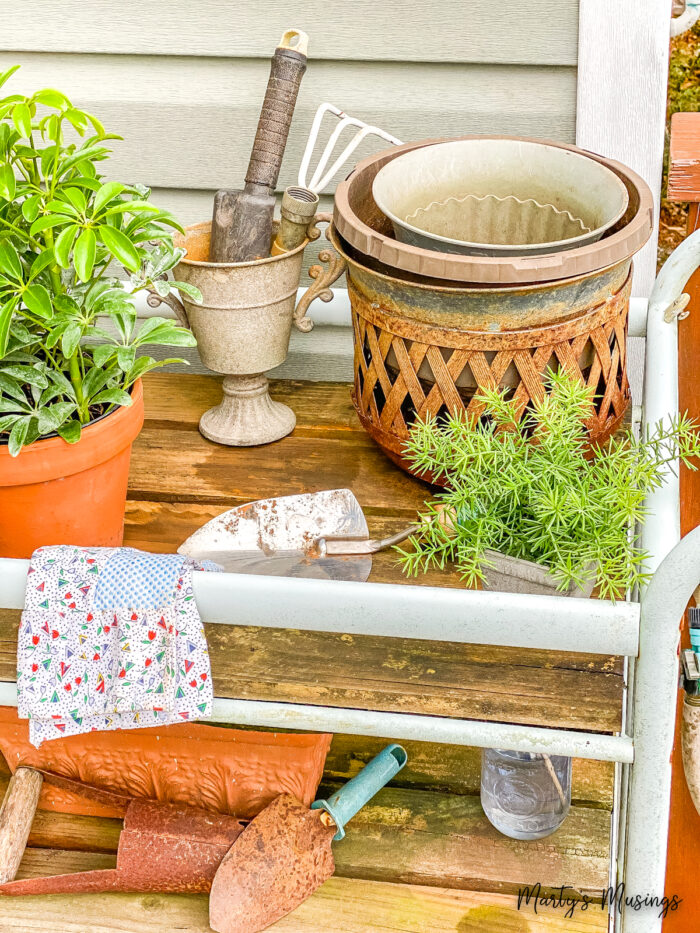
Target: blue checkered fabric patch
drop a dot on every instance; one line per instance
(133, 579)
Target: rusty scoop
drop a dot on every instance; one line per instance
(285, 853)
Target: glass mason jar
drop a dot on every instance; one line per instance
(525, 795)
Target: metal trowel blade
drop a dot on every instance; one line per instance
(275, 537)
(277, 862)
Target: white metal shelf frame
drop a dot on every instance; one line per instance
(648, 631)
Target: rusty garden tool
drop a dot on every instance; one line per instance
(163, 847)
(319, 534)
(285, 853)
(241, 228)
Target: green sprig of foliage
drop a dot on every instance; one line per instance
(61, 226)
(527, 490)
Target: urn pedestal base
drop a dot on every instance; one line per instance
(247, 416)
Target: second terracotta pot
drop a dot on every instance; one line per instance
(59, 493)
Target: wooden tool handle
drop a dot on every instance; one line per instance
(286, 71)
(16, 816)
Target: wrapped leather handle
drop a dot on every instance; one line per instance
(286, 71)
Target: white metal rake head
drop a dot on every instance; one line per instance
(321, 177)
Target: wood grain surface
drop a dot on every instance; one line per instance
(341, 905)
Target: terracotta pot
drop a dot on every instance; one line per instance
(59, 493)
(226, 770)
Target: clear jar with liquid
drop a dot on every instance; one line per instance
(525, 795)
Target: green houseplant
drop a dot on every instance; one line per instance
(71, 355)
(530, 490)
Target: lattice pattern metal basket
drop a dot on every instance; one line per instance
(406, 369)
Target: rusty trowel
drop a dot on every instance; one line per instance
(285, 853)
(317, 534)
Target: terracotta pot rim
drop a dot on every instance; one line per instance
(180, 241)
(52, 458)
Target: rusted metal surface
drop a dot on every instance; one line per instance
(281, 858)
(362, 225)
(425, 349)
(163, 847)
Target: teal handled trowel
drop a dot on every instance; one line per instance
(285, 853)
(316, 534)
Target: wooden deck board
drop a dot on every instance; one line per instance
(407, 675)
(341, 905)
(424, 834)
(404, 836)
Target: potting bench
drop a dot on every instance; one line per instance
(443, 669)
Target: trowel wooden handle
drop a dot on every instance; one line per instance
(286, 71)
(16, 816)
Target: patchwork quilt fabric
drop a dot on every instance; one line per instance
(110, 638)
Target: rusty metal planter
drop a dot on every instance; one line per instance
(423, 347)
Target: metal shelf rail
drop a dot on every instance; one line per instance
(646, 632)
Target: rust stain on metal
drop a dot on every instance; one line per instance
(170, 848)
(425, 349)
(281, 858)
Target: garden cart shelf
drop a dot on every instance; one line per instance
(440, 668)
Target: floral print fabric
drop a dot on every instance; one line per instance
(110, 638)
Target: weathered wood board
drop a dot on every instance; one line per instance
(342, 905)
(424, 833)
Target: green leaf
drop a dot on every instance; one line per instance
(70, 431)
(62, 207)
(125, 358)
(158, 330)
(6, 312)
(22, 119)
(190, 290)
(77, 119)
(27, 375)
(71, 339)
(48, 220)
(43, 261)
(107, 192)
(6, 422)
(31, 207)
(7, 182)
(64, 244)
(101, 353)
(7, 74)
(76, 198)
(11, 387)
(120, 246)
(132, 207)
(9, 261)
(51, 98)
(113, 397)
(88, 153)
(84, 254)
(96, 380)
(18, 435)
(38, 300)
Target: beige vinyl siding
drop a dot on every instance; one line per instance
(490, 31)
(182, 81)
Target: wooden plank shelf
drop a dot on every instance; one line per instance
(421, 856)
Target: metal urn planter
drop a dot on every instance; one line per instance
(243, 325)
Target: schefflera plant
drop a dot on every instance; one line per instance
(61, 229)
